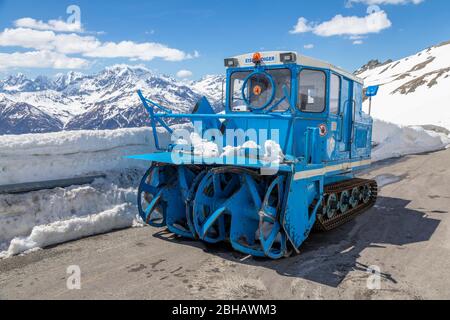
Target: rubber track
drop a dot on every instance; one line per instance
(340, 219)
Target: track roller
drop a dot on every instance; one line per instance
(356, 196)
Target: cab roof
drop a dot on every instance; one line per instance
(274, 58)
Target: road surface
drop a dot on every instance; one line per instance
(405, 237)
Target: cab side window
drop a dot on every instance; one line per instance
(335, 90)
(312, 91)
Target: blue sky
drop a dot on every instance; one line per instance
(195, 36)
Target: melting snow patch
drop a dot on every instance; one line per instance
(387, 179)
(203, 147)
(273, 152)
(240, 151)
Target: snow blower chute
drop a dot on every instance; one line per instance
(278, 162)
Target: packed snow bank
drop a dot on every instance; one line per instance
(42, 236)
(393, 140)
(51, 156)
(47, 217)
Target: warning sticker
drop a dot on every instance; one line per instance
(323, 130)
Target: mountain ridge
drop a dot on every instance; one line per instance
(105, 100)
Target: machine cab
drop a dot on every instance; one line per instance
(323, 104)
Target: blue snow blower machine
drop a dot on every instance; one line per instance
(311, 115)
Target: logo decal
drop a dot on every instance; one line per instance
(264, 59)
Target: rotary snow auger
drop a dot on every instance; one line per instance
(278, 162)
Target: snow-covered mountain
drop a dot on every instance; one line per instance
(21, 117)
(106, 100)
(210, 86)
(413, 90)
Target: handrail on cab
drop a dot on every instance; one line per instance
(167, 113)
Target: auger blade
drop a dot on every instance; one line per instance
(208, 214)
(149, 196)
(244, 207)
(162, 197)
(176, 199)
(271, 234)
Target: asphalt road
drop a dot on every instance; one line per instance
(406, 237)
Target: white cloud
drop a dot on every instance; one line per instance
(40, 59)
(143, 51)
(340, 25)
(382, 2)
(90, 46)
(47, 40)
(184, 74)
(27, 38)
(358, 42)
(350, 26)
(55, 25)
(302, 26)
(53, 41)
(73, 43)
(308, 46)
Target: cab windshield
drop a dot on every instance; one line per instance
(259, 90)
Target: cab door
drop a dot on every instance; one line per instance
(334, 125)
(362, 126)
(346, 118)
